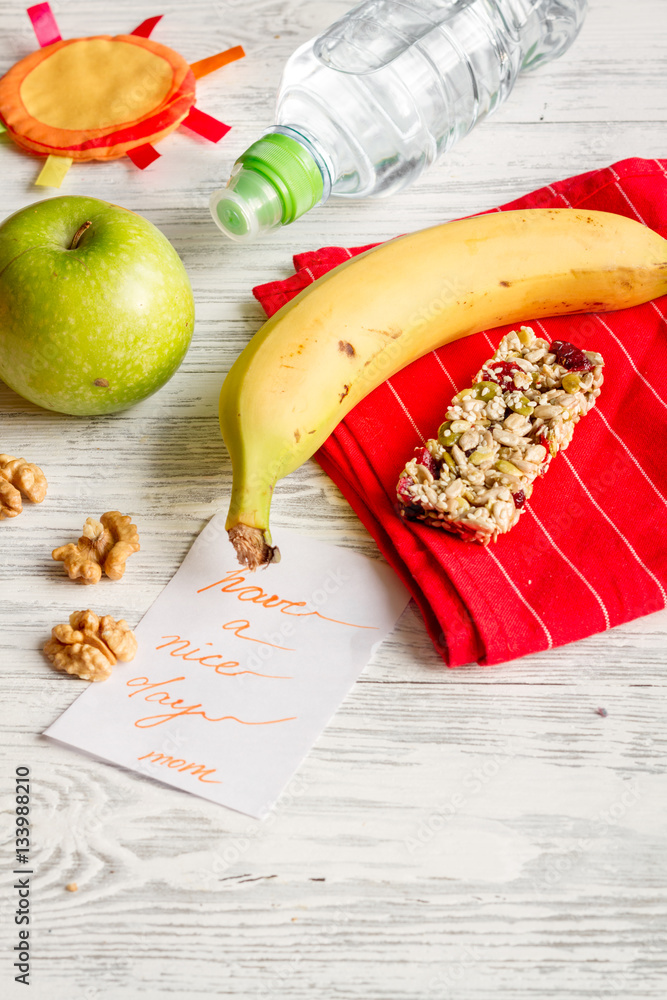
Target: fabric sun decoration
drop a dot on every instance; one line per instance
(102, 97)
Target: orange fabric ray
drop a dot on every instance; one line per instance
(205, 66)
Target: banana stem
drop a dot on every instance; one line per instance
(253, 548)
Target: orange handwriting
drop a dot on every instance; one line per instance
(176, 706)
(181, 649)
(197, 770)
(241, 624)
(234, 583)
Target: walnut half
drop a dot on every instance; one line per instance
(10, 500)
(105, 544)
(125, 541)
(90, 646)
(19, 477)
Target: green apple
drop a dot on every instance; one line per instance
(96, 309)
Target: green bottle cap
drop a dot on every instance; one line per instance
(290, 169)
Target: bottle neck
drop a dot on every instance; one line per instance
(312, 148)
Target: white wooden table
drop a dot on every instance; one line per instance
(546, 879)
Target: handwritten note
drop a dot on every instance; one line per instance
(238, 673)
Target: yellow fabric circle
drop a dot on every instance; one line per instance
(96, 83)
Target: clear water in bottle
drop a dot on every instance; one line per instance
(366, 106)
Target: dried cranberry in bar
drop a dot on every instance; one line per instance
(499, 436)
(570, 356)
(403, 489)
(502, 372)
(423, 457)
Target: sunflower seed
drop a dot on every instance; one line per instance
(505, 437)
(455, 488)
(468, 440)
(547, 411)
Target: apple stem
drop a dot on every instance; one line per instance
(78, 234)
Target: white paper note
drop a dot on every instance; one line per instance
(237, 673)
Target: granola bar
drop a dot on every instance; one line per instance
(499, 435)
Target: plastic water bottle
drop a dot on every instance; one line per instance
(366, 106)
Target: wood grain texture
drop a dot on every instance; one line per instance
(478, 834)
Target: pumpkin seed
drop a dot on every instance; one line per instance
(485, 390)
(522, 406)
(446, 436)
(507, 468)
(480, 456)
(571, 382)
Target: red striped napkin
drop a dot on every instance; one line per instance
(591, 551)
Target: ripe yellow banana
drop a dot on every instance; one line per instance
(366, 319)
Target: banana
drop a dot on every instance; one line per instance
(366, 319)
